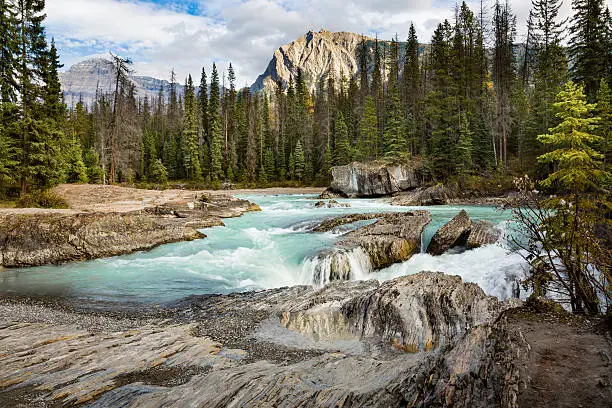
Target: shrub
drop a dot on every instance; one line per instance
(42, 199)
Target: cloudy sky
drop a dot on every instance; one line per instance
(185, 35)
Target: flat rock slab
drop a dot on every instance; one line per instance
(381, 345)
(108, 221)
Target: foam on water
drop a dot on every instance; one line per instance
(261, 250)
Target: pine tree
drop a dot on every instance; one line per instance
(91, 160)
(367, 146)
(342, 151)
(8, 52)
(216, 148)
(394, 136)
(587, 44)
(204, 125)
(604, 112)
(578, 164)
(464, 147)
(299, 162)
(40, 142)
(158, 172)
(121, 79)
(411, 76)
(503, 77)
(364, 64)
(53, 106)
(76, 169)
(190, 139)
(8, 160)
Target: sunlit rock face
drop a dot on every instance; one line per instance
(321, 55)
(97, 75)
(373, 179)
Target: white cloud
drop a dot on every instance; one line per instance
(245, 32)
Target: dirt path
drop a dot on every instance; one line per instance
(570, 362)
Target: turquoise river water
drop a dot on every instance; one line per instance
(261, 250)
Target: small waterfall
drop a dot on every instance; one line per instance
(351, 264)
(423, 241)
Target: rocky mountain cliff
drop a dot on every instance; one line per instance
(84, 78)
(319, 55)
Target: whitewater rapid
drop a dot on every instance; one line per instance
(268, 249)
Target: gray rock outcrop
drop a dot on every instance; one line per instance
(392, 238)
(42, 237)
(319, 54)
(483, 233)
(372, 180)
(435, 195)
(452, 234)
(428, 338)
(331, 204)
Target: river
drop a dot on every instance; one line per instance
(261, 250)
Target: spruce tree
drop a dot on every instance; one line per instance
(578, 164)
(190, 139)
(91, 160)
(604, 112)
(40, 142)
(76, 171)
(394, 136)
(299, 162)
(53, 106)
(342, 150)
(367, 146)
(411, 78)
(363, 56)
(587, 45)
(204, 125)
(8, 52)
(464, 147)
(216, 148)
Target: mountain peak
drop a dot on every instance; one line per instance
(85, 78)
(319, 54)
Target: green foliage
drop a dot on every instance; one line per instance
(464, 148)
(91, 159)
(190, 139)
(76, 171)
(604, 111)
(578, 163)
(157, 172)
(394, 135)
(367, 146)
(589, 45)
(342, 151)
(42, 199)
(299, 163)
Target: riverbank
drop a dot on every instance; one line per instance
(105, 221)
(427, 339)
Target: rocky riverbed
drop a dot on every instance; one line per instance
(106, 221)
(426, 340)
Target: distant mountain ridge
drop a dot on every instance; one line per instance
(320, 55)
(85, 78)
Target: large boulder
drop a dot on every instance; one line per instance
(372, 180)
(435, 195)
(454, 233)
(483, 233)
